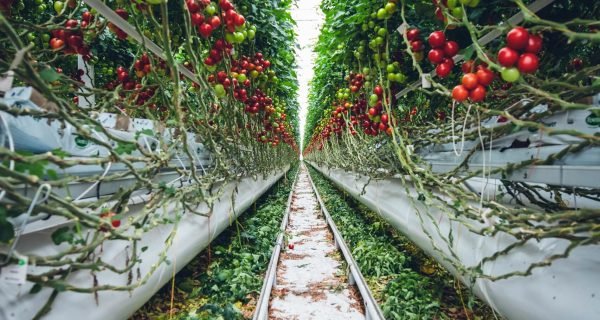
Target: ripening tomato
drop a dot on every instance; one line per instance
(507, 57)
(477, 94)
(460, 93)
(485, 76)
(528, 63)
(470, 81)
(437, 39)
(517, 38)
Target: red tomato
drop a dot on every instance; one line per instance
(417, 45)
(468, 66)
(443, 69)
(460, 93)
(205, 30)
(192, 6)
(378, 90)
(451, 48)
(197, 19)
(240, 20)
(413, 34)
(485, 76)
(56, 43)
(517, 38)
(215, 22)
(436, 56)
(528, 63)
(507, 57)
(534, 45)
(477, 94)
(437, 39)
(469, 81)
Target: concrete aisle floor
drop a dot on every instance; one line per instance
(311, 282)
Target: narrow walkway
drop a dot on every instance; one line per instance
(311, 282)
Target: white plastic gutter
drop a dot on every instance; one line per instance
(567, 289)
(194, 233)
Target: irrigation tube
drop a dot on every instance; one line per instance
(194, 233)
(568, 289)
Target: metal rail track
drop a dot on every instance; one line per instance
(372, 310)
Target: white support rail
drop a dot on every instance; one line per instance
(567, 289)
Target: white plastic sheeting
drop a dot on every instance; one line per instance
(193, 235)
(568, 289)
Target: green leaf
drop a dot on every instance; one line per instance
(35, 289)
(49, 75)
(61, 235)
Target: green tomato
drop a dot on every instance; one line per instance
(382, 32)
(220, 91)
(364, 27)
(59, 6)
(361, 49)
(41, 8)
(239, 37)
(458, 12)
(229, 37)
(45, 37)
(242, 78)
(211, 9)
(390, 68)
(390, 7)
(381, 14)
(366, 70)
(31, 36)
(373, 98)
(400, 77)
(377, 57)
(452, 4)
(379, 40)
(251, 34)
(39, 1)
(371, 24)
(368, 84)
(510, 74)
(474, 3)
(391, 77)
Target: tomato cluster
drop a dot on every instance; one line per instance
(442, 53)
(520, 54)
(70, 40)
(473, 83)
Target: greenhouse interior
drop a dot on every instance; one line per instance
(300, 159)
